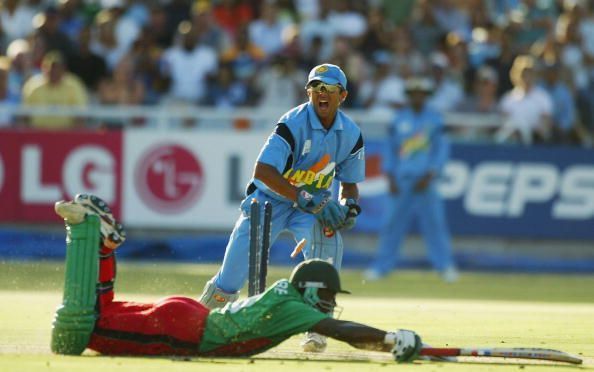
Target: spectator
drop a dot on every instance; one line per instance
(425, 30)
(451, 18)
(6, 99)
(311, 56)
(531, 22)
(564, 110)
(87, 65)
(15, 20)
(104, 41)
(176, 12)
(384, 92)
(225, 91)
(416, 152)
(319, 28)
(188, 66)
(47, 27)
(406, 59)
(158, 28)
(570, 51)
(245, 58)
(504, 60)
(482, 100)
(147, 54)
(346, 21)
(122, 88)
(209, 33)
(281, 85)
(54, 86)
(232, 15)
(71, 21)
(126, 30)
(267, 31)
(21, 67)
(527, 108)
(377, 35)
(353, 63)
(448, 91)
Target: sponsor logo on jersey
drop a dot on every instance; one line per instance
(317, 177)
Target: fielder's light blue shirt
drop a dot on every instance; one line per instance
(416, 144)
(311, 157)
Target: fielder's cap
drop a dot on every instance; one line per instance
(419, 84)
(329, 74)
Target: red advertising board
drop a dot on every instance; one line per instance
(37, 168)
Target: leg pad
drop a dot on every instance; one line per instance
(75, 319)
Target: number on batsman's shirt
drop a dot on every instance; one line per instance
(260, 322)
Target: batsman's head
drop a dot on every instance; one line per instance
(319, 282)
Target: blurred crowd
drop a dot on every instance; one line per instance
(530, 60)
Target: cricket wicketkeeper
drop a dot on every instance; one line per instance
(90, 318)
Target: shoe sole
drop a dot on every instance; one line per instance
(112, 231)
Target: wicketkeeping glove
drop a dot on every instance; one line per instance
(312, 203)
(353, 211)
(407, 345)
(333, 216)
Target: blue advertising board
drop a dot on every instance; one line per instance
(504, 191)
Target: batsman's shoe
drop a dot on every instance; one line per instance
(112, 232)
(314, 343)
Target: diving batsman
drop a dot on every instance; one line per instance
(90, 318)
(311, 145)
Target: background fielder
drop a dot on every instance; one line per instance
(416, 151)
(182, 326)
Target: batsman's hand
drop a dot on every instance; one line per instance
(312, 203)
(407, 345)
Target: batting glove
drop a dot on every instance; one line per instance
(407, 345)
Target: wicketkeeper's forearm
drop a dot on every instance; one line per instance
(349, 191)
(269, 176)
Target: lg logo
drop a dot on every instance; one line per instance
(169, 178)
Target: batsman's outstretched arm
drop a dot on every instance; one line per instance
(272, 178)
(356, 334)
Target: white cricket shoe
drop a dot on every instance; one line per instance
(372, 275)
(74, 212)
(450, 274)
(314, 343)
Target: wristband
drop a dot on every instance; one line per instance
(390, 338)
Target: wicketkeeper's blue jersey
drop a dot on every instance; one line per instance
(309, 156)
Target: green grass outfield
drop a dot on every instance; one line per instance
(502, 310)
